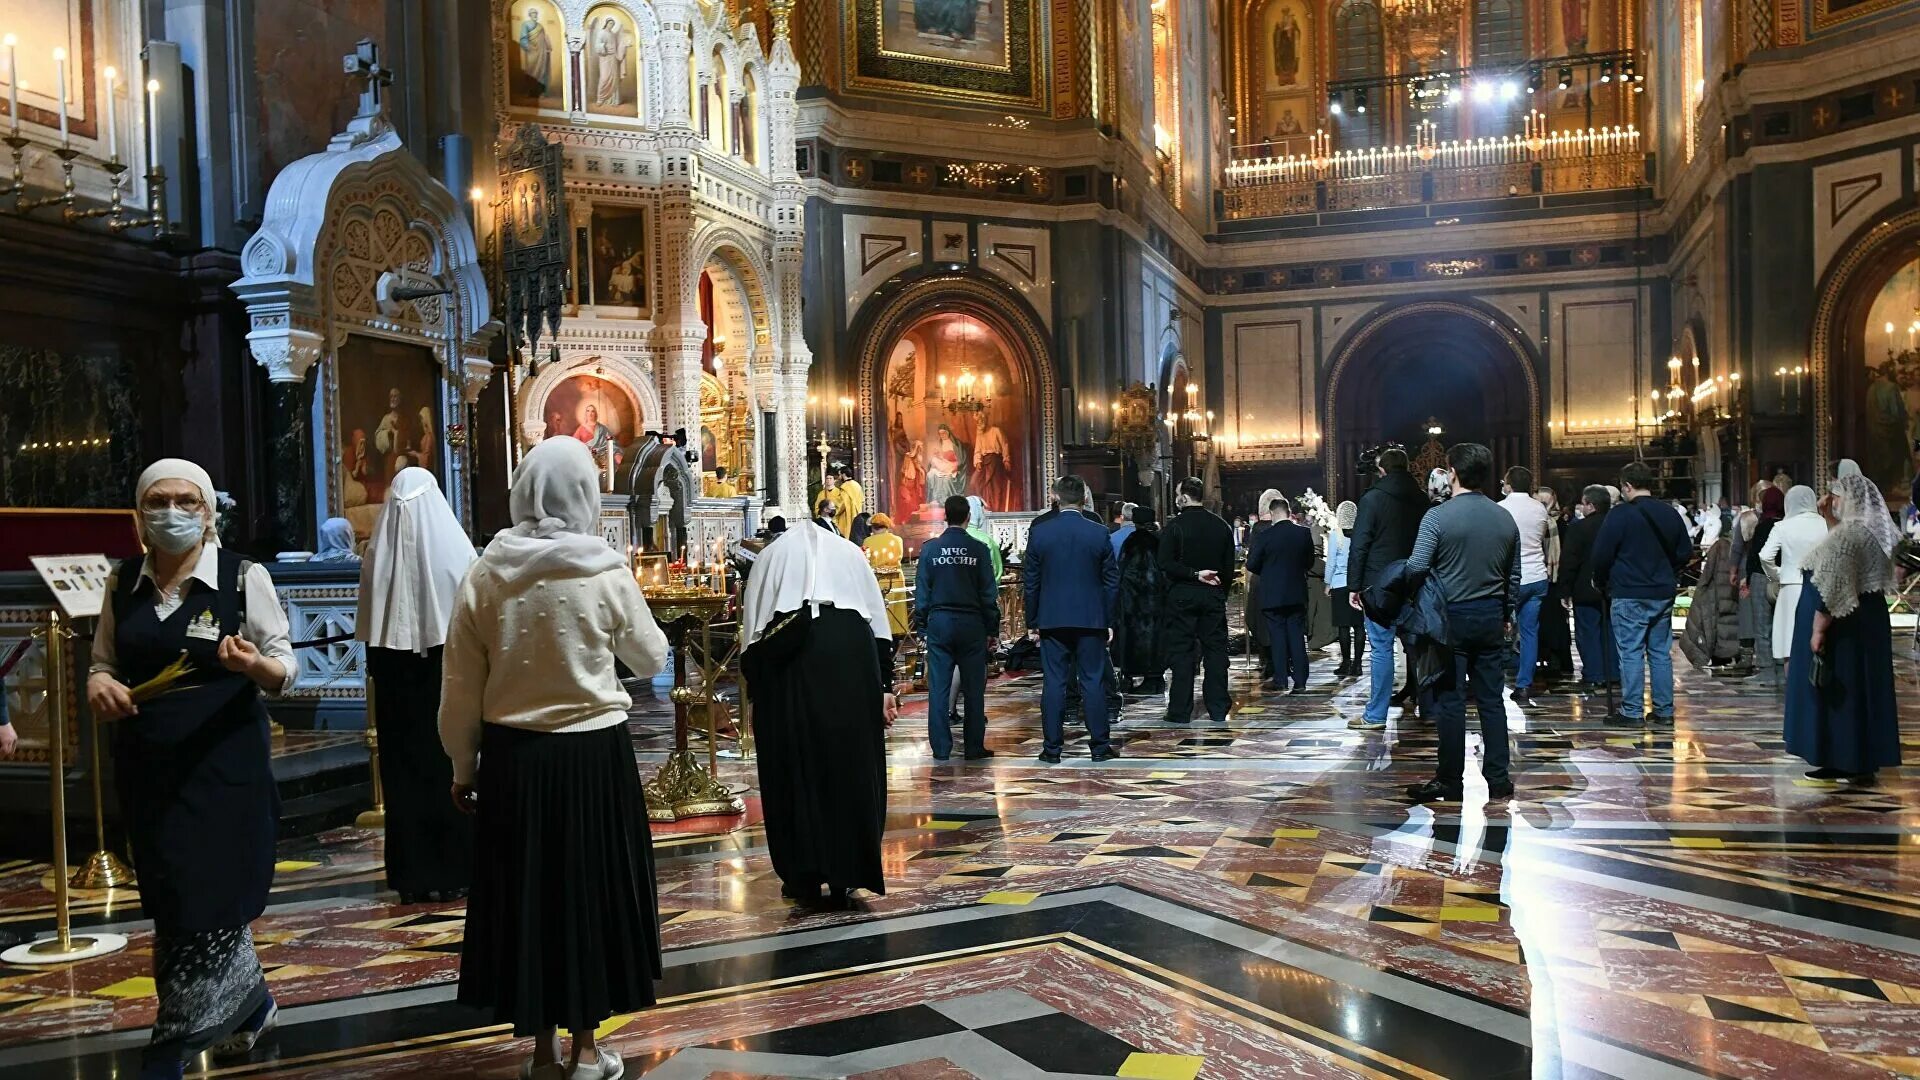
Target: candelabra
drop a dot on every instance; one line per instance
(967, 401)
(1427, 29)
(115, 213)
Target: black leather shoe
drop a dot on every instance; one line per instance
(1271, 687)
(1523, 698)
(800, 892)
(940, 757)
(979, 755)
(1623, 720)
(1050, 757)
(1105, 753)
(1432, 791)
(1502, 790)
(1165, 719)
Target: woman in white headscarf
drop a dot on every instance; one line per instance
(416, 557)
(1782, 553)
(1842, 714)
(193, 764)
(562, 929)
(819, 670)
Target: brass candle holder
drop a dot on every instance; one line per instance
(683, 788)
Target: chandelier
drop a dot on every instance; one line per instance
(967, 401)
(1426, 30)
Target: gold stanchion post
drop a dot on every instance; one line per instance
(103, 869)
(375, 818)
(63, 946)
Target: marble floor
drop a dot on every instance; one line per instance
(1248, 899)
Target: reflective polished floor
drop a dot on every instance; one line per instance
(1248, 899)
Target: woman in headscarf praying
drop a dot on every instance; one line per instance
(1265, 509)
(1842, 717)
(1346, 620)
(819, 669)
(416, 558)
(562, 924)
(336, 541)
(1782, 555)
(190, 637)
(1750, 536)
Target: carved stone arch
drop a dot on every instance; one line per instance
(622, 370)
(344, 229)
(1380, 323)
(900, 303)
(729, 244)
(1837, 352)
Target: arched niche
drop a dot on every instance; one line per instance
(1866, 377)
(1425, 358)
(951, 324)
(621, 388)
(365, 269)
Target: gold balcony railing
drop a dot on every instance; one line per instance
(1325, 180)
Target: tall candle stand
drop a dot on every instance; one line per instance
(115, 213)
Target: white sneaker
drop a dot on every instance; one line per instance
(607, 1066)
(530, 1071)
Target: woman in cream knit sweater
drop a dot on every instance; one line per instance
(562, 929)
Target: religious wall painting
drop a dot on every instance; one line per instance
(1890, 412)
(1572, 27)
(612, 76)
(536, 64)
(387, 413)
(986, 52)
(619, 264)
(934, 449)
(1289, 121)
(599, 412)
(1287, 40)
(971, 33)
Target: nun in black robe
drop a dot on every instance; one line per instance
(819, 671)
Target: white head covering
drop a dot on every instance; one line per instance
(1438, 486)
(1860, 502)
(174, 468)
(1846, 467)
(976, 512)
(1266, 499)
(336, 541)
(1344, 515)
(556, 517)
(415, 559)
(1802, 500)
(810, 565)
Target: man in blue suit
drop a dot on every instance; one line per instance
(1071, 577)
(957, 605)
(1282, 556)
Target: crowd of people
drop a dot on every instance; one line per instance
(498, 678)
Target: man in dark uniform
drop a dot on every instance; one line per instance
(1196, 555)
(1282, 556)
(956, 605)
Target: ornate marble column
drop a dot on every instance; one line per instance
(676, 47)
(792, 357)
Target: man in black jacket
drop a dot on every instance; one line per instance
(1383, 532)
(1197, 557)
(1282, 557)
(1599, 659)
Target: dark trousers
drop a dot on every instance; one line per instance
(956, 639)
(1079, 655)
(1287, 630)
(1480, 665)
(1599, 659)
(1197, 622)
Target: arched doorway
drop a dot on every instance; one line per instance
(1442, 364)
(933, 424)
(1866, 357)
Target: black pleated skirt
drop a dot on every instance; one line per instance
(429, 841)
(562, 924)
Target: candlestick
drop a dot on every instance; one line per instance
(13, 86)
(113, 131)
(60, 81)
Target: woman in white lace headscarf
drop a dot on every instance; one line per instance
(1256, 623)
(1842, 717)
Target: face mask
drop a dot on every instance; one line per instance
(173, 530)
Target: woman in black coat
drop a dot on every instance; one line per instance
(1139, 639)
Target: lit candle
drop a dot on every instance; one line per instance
(113, 132)
(153, 123)
(13, 86)
(60, 81)
(1889, 337)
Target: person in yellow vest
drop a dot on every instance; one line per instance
(884, 551)
(719, 486)
(848, 499)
